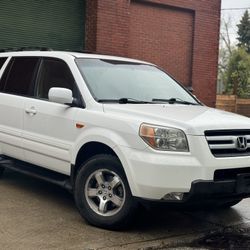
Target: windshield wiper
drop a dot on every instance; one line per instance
(174, 100)
(124, 101)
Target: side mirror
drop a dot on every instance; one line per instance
(61, 95)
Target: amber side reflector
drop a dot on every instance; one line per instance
(148, 134)
(79, 125)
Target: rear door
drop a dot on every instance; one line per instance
(16, 85)
(49, 128)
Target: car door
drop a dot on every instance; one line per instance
(49, 128)
(15, 86)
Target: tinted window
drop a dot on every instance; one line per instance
(54, 73)
(4, 76)
(2, 61)
(18, 78)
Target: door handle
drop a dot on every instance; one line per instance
(31, 111)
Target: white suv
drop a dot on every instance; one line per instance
(117, 131)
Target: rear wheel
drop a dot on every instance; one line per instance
(1, 171)
(102, 193)
(229, 204)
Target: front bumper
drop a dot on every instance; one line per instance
(154, 174)
(209, 192)
(215, 190)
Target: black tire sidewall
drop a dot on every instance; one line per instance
(230, 204)
(119, 220)
(1, 171)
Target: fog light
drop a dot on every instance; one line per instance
(173, 197)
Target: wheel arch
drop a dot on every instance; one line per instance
(102, 141)
(89, 150)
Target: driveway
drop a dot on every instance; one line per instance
(38, 215)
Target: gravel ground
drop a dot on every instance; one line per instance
(38, 215)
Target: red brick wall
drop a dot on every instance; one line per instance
(163, 36)
(182, 36)
(112, 26)
(91, 25)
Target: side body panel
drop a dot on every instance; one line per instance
(49, 134)
(11, 123)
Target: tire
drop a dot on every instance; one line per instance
(102, 194)
(1, 171)
(229, 204)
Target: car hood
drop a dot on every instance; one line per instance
(194, 120)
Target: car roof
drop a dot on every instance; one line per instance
(69, 53)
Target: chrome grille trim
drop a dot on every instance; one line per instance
(225, 143)
(232, 142)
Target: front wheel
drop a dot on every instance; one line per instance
(102, 193)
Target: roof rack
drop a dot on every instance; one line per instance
(25, 49)
(83, 51)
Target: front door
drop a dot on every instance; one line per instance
(49, 128)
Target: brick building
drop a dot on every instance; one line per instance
(181, 36)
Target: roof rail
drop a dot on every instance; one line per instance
(26, 49)
(83, 51)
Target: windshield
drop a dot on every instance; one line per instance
(110, 80)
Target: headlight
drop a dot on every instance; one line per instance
(163, 138)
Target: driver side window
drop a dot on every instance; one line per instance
(54, 73)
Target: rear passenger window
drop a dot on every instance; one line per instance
(2, 61)
(18, 78)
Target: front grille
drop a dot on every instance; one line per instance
(229, 174)
(229, 143)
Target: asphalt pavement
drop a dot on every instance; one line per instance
(38, 215)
